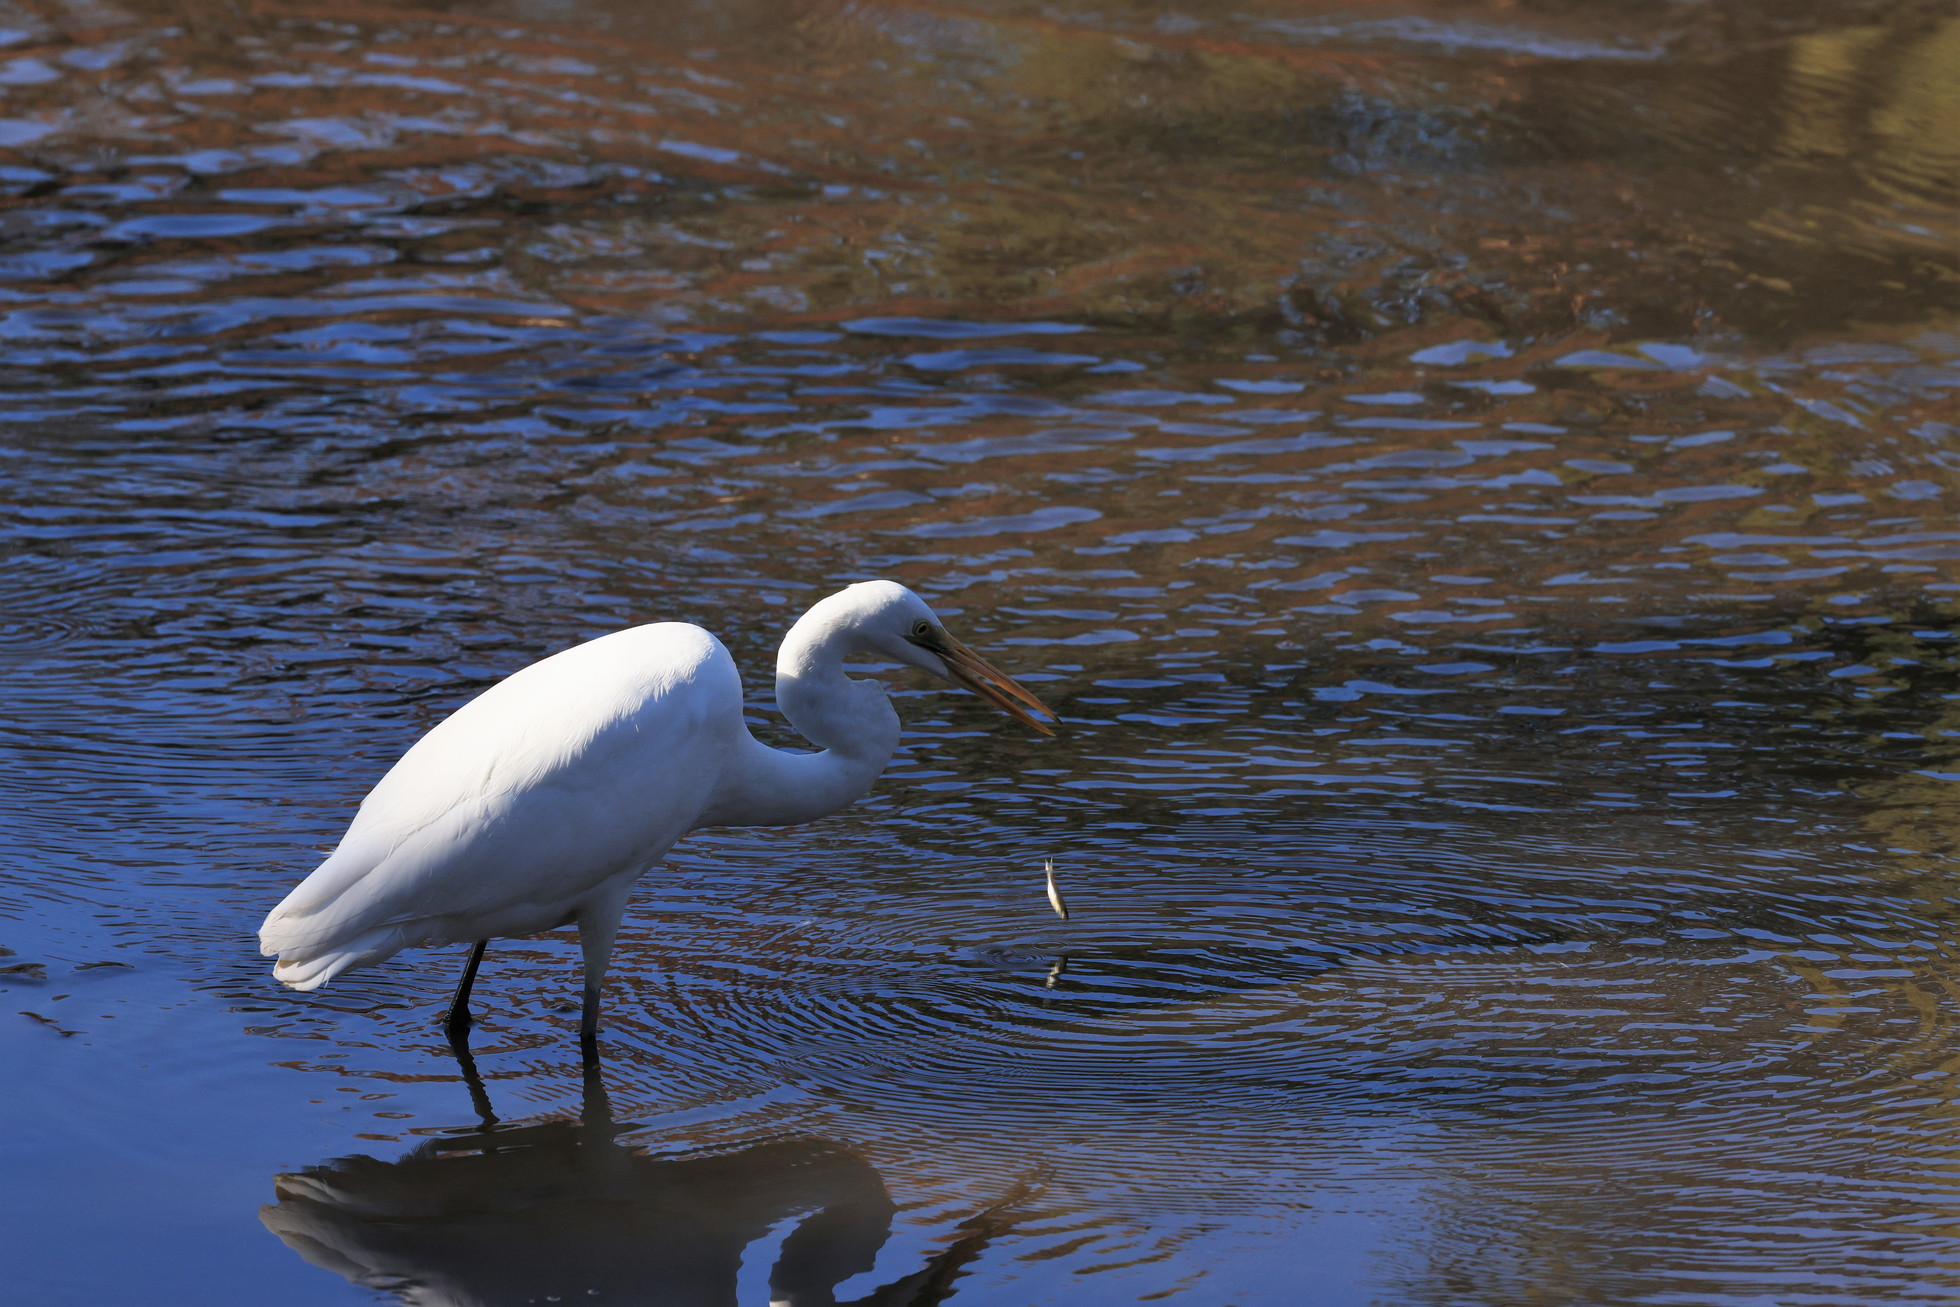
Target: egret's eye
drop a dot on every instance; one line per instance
(921, 630)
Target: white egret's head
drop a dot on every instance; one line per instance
(891, 621)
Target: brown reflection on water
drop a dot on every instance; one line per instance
(1334, 174)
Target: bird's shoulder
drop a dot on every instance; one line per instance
(625, 669)
(647, 687)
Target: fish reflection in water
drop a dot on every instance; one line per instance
(563, 1211)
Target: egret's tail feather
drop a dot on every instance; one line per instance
(305, 969)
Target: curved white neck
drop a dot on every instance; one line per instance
(852, 722)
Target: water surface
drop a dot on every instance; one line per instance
(1475, 479)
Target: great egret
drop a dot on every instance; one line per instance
(540, 802)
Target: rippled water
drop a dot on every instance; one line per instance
(1476, 480)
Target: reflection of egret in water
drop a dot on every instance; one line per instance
(561, 1210)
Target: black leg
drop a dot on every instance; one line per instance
(588, 1025)
(595, 1113)
(457, 1019)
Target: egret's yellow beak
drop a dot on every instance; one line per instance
(986, 680)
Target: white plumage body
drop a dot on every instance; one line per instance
(538, 803)
(506, 818)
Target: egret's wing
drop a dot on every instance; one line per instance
(533, 793)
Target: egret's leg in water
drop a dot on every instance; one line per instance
(598, 926)
(457, 1019)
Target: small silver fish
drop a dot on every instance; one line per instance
(1054, 891)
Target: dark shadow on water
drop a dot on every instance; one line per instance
(562, 1210)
